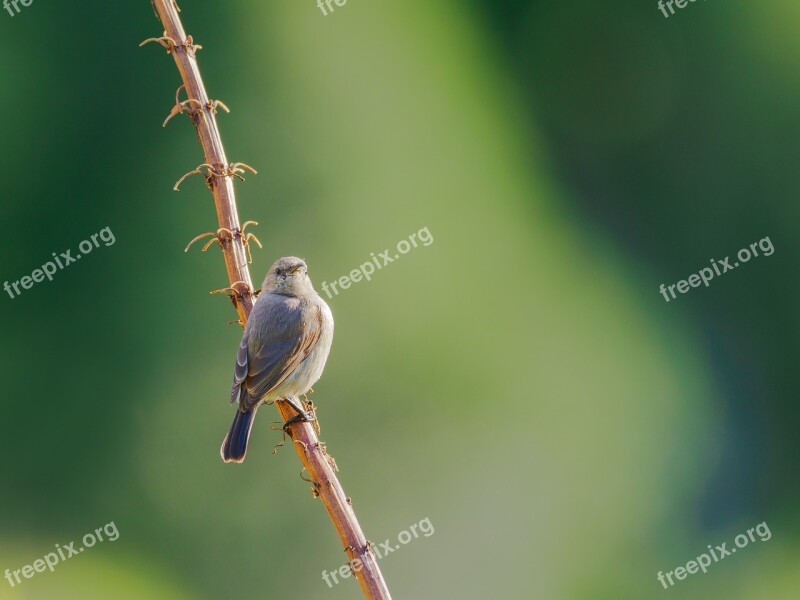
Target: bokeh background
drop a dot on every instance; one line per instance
(520, 382)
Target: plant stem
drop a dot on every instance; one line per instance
(318, 463)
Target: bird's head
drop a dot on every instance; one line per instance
(288, 276)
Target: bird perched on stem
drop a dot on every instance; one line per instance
(283, 351)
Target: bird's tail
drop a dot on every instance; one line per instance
(234, 446)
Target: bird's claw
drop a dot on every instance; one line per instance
(303, 417)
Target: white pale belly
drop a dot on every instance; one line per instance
(310, 370)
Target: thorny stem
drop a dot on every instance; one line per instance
(320, 466)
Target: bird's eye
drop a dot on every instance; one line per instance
(278, 271)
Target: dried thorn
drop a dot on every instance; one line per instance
(232, 288)
(246, 223)
(246, 241)
(198, 238)
(180, 108)
(282, 443)
(213, 105)
(177, 185)
(233, 294)
(303, 470)
(165, 41)
(310, 406)
(170, 44)
(246, 237)
(220, 170)
(210, 242)
(251, 236)
(178, 93)
(194, 172)
(218, 238)
(176, 110)
(190, 46)
(239, 321)
(246, 285)
(332, 462)
(303, 444)
(240, 166)
(226, 230)
(236, 170)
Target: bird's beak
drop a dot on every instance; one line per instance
(297, 268)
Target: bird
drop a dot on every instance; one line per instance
(283, 351)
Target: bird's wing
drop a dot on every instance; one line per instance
(240, 370)
(276, 346)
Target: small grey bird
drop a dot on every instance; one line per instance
(283, 350)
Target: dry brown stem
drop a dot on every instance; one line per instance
(220, 175)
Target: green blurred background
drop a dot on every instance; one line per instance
(520, 382)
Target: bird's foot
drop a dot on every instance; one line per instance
(302, 416)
